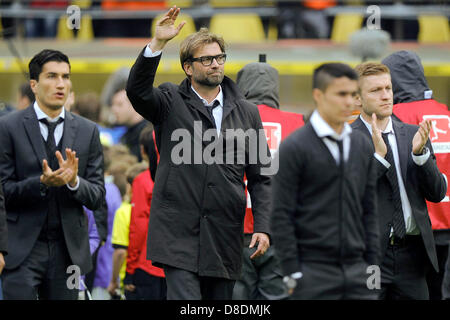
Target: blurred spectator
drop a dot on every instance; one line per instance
(126, 115)
(261, 277)
(94, 243)
(44, 27)
(119, 239)
(116, 81)
(25, 97)
(5, 108)
(70, 101)
(8, 26)
(104, 217)
(304, 19)
(129, 28)
(143, 281)
(88, 105)
(120, 236)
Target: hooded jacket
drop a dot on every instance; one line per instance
(259, 82)
(412, 104)
(408, 79)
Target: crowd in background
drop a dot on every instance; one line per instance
(130, 159)
(296, 19)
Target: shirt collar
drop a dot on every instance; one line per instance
(219, 97)
(323, 129)
(388, 129)
(41, 115)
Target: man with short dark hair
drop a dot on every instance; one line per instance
(45, 192)
(324, 218)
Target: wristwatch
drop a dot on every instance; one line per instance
(291, 280)
(43, 189)
(424, 151)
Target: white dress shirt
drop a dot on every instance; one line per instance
(217, 112)
(410, 224)
(59, 130)
(323, 129)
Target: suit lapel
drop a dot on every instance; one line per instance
(70, 130)
(33, 131)
(359, 125)
(402, 147)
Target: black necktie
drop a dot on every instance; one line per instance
(398, 220)
(341, 151)
(51, 143)
(210, 110)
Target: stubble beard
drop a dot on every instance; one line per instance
(211, 81)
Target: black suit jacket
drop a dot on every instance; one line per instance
(23, 150)
(320, 214)
(421, 183)
(3, 227)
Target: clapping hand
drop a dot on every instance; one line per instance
(421, 137)
(378, 142)
(66, 174)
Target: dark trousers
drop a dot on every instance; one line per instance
(438, 282)
(147, 287)
(334, 281)
(403, 271)
(261, 277)
(186, 285)
(43, 275)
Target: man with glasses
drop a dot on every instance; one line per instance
(198, 205)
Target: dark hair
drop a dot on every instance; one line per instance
(327, 72)
(88, 105)
(147, 142)
(25, 91)
(46, 55)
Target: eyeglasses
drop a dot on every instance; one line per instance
(208, 60)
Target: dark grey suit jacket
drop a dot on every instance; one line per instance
(23, 150)
(3, 227)
(421, 183)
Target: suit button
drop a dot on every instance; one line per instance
(210, 185)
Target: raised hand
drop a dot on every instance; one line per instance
(378, 142)
(165, 29)
(71, 163)
(421, 137)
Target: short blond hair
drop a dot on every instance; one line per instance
(196, 41)
(371, 69)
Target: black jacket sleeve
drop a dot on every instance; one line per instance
(3, 225)
(151, 103)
